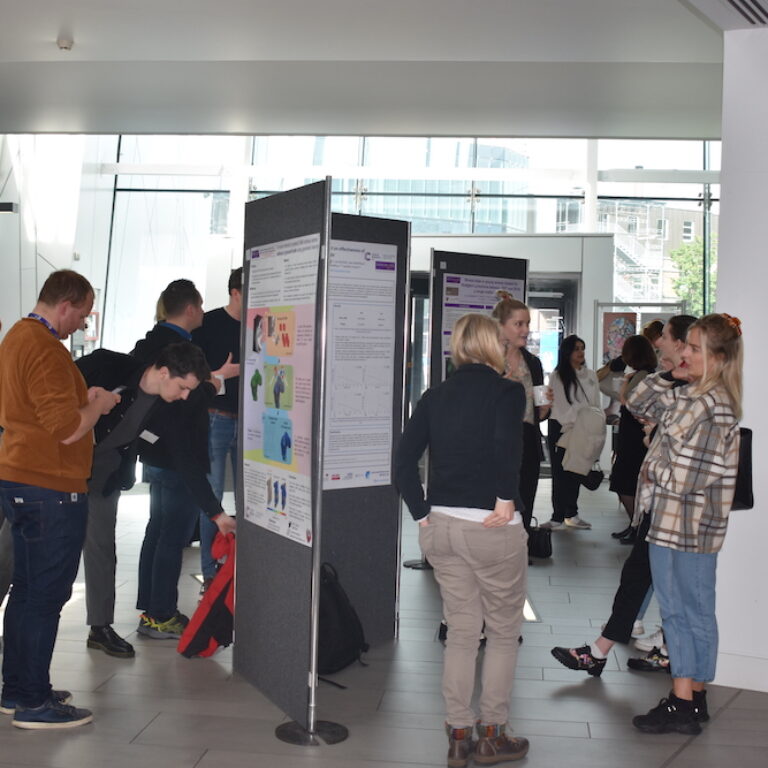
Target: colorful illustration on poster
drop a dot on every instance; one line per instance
(281, 332)
(617, 328)
(256, 382)
(279, 386)
(278, 438)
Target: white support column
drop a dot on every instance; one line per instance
(742, 597)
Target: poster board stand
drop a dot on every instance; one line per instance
(323, 302)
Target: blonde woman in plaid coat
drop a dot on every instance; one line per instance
(687, 483)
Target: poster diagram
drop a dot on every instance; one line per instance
(471, 293)
(279, 367)
(362, 279)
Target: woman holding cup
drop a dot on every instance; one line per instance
(520, 365)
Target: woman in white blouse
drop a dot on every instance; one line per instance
(573, 386)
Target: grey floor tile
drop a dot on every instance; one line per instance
(160, 709)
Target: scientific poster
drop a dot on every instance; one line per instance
(471, 293)
(278, 371)
(362, 279)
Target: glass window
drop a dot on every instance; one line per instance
(666, 155)
(157, 237)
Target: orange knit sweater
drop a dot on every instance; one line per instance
(41, 392)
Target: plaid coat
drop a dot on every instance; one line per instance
(688, 477)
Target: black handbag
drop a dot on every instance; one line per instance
(593, 478)
(743, 497)
(539, 540)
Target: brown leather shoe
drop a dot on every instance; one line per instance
(495, 746)
(460, 746)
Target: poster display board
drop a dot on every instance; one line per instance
(321, 398)
(278, 369)
(462, 283)
(362, 280)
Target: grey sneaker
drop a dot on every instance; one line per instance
(52, 714)
(577, 522)
(552, 525)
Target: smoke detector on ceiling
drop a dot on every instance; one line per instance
(65, 42)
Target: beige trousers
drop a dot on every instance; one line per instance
(482, 573)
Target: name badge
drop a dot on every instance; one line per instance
(150, 437)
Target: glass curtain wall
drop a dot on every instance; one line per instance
(178, 202)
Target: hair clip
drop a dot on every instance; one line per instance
(734, 322)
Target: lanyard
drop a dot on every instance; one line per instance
(35, 316)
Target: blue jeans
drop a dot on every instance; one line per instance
(48, 529)
(685, 588)
(222, 442)
(171, 511)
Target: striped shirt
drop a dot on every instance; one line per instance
(688, 478)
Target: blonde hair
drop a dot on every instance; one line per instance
(160, 314)
(724, 358)
(475, 339)
(507, 306)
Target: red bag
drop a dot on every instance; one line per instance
(212, 623)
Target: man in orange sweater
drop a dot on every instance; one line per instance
(45, 460)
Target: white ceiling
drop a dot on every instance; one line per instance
(441, 67)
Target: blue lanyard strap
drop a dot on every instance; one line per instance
(35, 316)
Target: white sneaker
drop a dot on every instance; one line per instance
(638, 629)
(577, 522)
(553, 525)
(656, 640)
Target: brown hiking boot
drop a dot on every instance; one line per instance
(460, 746)
(496, 747)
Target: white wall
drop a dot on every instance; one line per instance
(742, 597)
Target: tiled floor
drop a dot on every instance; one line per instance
(160, 710)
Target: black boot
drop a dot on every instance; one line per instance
(672, 715)
(621, 534)
(700, 711)
(107, 640)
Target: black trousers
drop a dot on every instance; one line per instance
(633, 586)
(530, 467)
(565, 485)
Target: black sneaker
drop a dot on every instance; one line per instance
(107, 640)
(700, 711)
(52, 714)
(653, 661)
(672, 715)
(579, 658)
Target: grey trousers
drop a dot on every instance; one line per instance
(100, 558)
(482, 573)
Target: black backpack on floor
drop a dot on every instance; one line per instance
(340, 636)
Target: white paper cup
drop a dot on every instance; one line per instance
(541, 395)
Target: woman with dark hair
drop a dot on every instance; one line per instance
(639, 355)
(520, 365)
(574, 386)
(472, 533)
